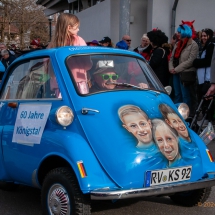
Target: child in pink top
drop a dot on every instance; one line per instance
(66, 34)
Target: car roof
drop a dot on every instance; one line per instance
(74, 50)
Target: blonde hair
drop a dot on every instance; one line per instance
(160, 122)
(129, 109)
(62, 37)
(144, 36)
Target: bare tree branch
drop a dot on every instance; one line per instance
(26, 16)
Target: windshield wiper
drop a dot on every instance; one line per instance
(130, 85)
(123, 84)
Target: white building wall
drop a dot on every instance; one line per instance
(115, 7)
(103, 19)
(96, 21)
(200, 11)
(149, 14)
(159, 15)
(139, 26)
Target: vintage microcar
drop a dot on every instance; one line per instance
(93, 123)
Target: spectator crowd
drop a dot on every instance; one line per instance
(183, 62)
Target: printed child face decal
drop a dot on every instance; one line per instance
(175, 122)
(139, 126)
(166, 141)
(136, 122)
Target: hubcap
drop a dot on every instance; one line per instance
(58, 200)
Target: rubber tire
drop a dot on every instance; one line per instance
(8, 186)
(191, 198)
(79, 203)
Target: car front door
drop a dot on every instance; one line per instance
(28, 93)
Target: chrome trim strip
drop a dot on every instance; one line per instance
(86, 110)
(151, 191)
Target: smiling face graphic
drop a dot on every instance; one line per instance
(175, 122)
(166, 141)
(139, 126)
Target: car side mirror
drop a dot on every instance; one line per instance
(168, 89)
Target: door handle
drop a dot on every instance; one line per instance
(85, 111)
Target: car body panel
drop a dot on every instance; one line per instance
(108, 150)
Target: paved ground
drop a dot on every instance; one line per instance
(26, 201)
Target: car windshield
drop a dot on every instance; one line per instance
(102, 73)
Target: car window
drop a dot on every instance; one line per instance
(34, 79)
(100, 73)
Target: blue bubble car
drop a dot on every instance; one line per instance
(93, 123)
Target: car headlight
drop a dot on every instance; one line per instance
(64, 116)
(184, 110)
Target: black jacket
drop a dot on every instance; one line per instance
(159, 63)
(205, 62)
(8, 61)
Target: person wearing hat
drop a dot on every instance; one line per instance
(93, 43)
(102, 79)
(35, 44)
(7, 59)
(106, 41)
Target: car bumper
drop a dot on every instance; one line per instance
(105, 194)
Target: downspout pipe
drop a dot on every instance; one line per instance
(173, 17)
(124, 18)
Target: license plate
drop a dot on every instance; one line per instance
(165, 176)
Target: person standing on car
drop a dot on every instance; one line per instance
(7, 59)
(203, 65)
(66, 34)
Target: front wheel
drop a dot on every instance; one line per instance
(61, 194)
(191, 198)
